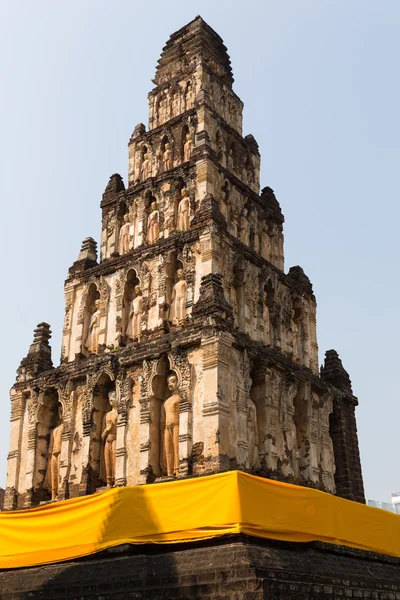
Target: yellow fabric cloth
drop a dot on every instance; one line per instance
(188, 510)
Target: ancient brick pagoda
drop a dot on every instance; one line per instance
(186, 349)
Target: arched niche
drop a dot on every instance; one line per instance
(269, 293)
(163, 107)
(160, 392)
(225, 200)
(185, 132)
(238, 296)
(159, 109)
(100, 407)
(132, 280)
(48, 416)
(143, 150)
(119, 221)
(149, 198)
(267, 310)
(223, 104)
(232, 157)
(172, 266)
(249, 171)
(275, 240)
(165, 154)
(297, 310)
(301, 460)
(92, 298)
(220, 147)
(176, 100)
(189, 95)
(264, 242)
(295, 328)
(177, 186)
(256, 417)
(252, 219)
(274, 315)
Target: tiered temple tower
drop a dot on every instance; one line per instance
(187, 349)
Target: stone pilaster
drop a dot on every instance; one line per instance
(14, 455)
(69, 294)
(87, 404)
(124, 386)
(149, 448)
(216, 349)
(69, 403)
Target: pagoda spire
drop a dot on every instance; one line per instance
(195, 42)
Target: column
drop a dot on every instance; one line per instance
(14, 455)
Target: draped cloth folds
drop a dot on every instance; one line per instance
(191, 510)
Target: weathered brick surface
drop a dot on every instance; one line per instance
(343, 429)
(235, 568)
(245, 352)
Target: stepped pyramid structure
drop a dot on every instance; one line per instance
(187, 349)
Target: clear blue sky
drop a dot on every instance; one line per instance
(320, 83)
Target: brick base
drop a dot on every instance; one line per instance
(237, 568)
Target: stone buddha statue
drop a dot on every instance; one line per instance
(153, 224)
(109, 439)
(124, 236)
(92, 338)
(183, 211)
(52, 478)
(179, 294)
(170, 426)
(187, 148)
(134, 327)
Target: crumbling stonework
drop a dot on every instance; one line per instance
(190, 288)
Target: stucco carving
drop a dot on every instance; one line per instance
(170, 426)
(52, 478)
(191, 266)
(145, 168)
(109, 439)
(187, 148)
(92, 338)
(153, 224)
(178, 299)
(124, 235)
(134, 328)
(184, 211)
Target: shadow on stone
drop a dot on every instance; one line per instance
(231, 567)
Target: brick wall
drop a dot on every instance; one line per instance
(238, 568)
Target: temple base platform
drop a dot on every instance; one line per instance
(232, 567)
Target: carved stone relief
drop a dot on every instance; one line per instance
(170, 426)
(214, 394)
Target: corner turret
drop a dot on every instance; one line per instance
(343, 429)
(38, 358)
(333, 372)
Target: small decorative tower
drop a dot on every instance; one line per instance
(187, 349)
